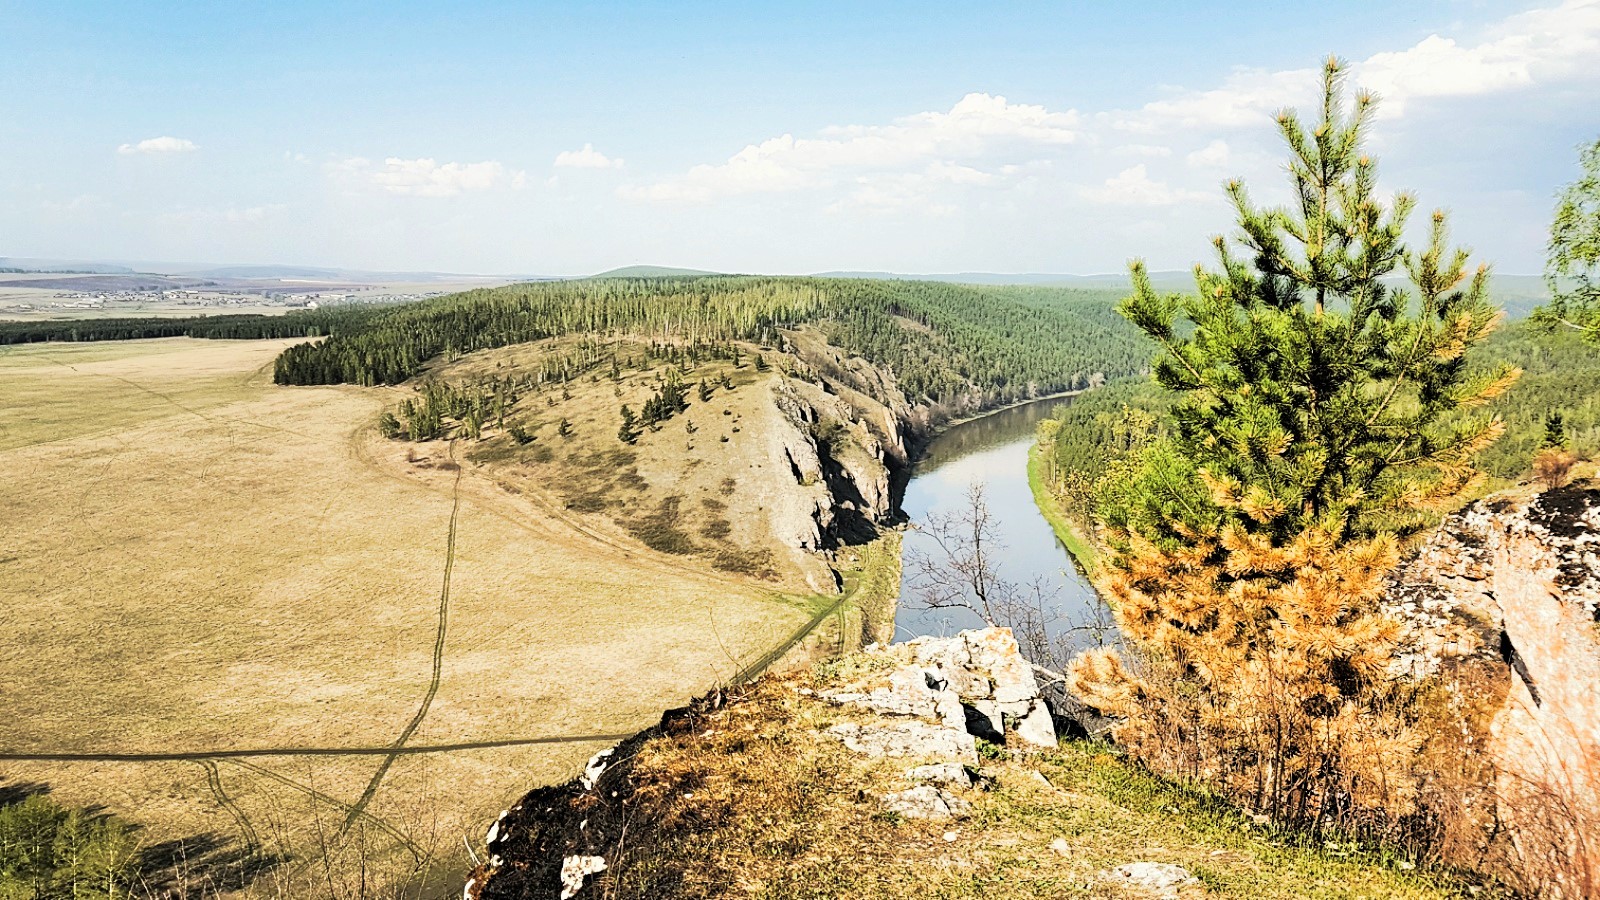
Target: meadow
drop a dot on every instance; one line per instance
(237, 615)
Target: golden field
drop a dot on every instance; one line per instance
(194, 561)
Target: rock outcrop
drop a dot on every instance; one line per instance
(919, 705)
(975, 684)
(1513, 583)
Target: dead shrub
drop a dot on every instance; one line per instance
(1553, 466)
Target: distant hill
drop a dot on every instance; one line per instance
(652, 272)
(60, 266)
(1518, 294)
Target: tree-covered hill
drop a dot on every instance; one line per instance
(942, 341)
(939, 340)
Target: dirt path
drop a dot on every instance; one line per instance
(438, 659)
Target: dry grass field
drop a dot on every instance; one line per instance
(203, 577)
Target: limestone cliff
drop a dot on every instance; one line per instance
(1515, 580)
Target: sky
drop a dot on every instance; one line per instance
(918, 137)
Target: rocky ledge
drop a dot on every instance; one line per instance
(925, 704)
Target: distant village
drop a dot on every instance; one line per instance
(201, 299)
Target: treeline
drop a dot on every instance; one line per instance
(1091, 442)
(1561, 376)
(941, 341)
(303, 323)
(394, 343)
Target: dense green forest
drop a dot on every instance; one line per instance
(982, 345)
(302, 323)
(940, 340)
(1561, 374)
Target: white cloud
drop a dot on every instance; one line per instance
(426, 177)
(1134, 187)
(1540, 45)
(1534, 47)
(978, 127)
(1212, 156)
(159, 145)
(587, 158)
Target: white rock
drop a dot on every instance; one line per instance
(913, 739)
(948, 774)
(595, 768)
(1162, 878)
(926, 802)
(574, 869)
(1059, 846)
(1037, 728)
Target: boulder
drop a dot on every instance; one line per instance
(926, 802)
(1161, 879)
(1037, 727)
(908, 739)
(943, 774)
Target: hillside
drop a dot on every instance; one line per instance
(872, 776)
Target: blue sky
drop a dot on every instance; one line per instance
(915, 137)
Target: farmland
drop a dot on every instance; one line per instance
(244, 615)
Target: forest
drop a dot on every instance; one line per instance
(939, 340)
(303, 323)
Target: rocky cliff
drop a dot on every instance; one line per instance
(901, 772)
(1514, 582)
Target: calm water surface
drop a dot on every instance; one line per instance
(993, 451)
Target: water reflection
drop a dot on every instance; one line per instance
(993, 451)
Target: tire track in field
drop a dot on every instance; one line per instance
(233, 755)
(313, 793)
(252, 841)
(360, 806)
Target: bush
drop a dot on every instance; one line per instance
(1553, 466)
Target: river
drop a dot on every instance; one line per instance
(992, 451)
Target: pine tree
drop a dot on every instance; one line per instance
(1321, 415)
(1555, 432)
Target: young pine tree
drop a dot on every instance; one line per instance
(1320, 416)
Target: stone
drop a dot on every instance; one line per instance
(944, 774)
(1060, 848)
(574, 869)
(908, 739)
(912, 691)
(1163, 879)
(1016, 693)
(1037, 727)
(595, 768)
(926, 802)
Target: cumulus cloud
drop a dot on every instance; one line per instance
(1537, 46)
(165, 144)
(587, 158)
(979, 127)
(1134, 187)
(425, 177)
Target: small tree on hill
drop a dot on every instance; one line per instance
(1321, 416)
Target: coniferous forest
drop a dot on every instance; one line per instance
(939, 340)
